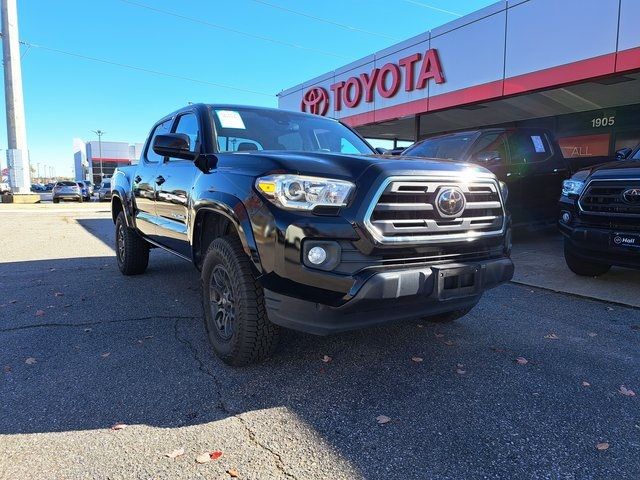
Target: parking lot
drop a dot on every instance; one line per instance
(534, 383)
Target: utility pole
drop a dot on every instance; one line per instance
(99, 133)
(17, 151)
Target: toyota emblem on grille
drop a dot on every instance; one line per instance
(632, 196)
(450, 202)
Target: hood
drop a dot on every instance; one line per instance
(614, 169)
(337, 165)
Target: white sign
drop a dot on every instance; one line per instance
(230, 119)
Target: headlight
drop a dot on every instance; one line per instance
(298, 192)
(572, 187)
(504, 191)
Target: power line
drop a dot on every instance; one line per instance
(431, 7)
(324, 20)
(142, 69)
(233, 30)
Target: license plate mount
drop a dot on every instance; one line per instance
(625, 240)
(457, 281)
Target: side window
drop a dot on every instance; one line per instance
(490, 148)
(188, 124)
(527, 147)
(161, 129)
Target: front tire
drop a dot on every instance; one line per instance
(235, 315)
(582, 267)
(132, 251)
(56, 200)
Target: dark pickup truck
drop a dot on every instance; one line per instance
(294, 221)
(600, 217)
(528, 160)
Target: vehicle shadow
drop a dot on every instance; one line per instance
(134, 350)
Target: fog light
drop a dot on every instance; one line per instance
(566, 217)
(317, 255)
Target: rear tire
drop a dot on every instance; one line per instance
(582, 267)
(235, 315)
(56, 200)
(448, 317)
(132, 251)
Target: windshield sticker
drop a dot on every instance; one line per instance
(230, 119)
(537, 143)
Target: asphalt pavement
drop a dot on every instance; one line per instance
(532, 384)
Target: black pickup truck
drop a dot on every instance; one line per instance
(294, 221)
(528, 160)
(600, 217)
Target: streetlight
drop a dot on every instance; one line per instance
(99, 133)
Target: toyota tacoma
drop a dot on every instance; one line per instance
(294, 221)
(600, 217)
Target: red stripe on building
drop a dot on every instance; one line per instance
(628, 60)
(603, 65)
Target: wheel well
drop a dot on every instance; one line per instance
(209, 226)
(116, 208)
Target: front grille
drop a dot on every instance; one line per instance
(405, 211)
(606, 197)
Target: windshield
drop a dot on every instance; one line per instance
(248, 129)
(446, 147)
(636, 156)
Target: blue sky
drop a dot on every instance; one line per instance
(67, 96)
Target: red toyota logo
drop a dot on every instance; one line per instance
(316, 100)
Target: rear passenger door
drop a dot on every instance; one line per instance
(174, 179)
(144, 186)
(537, 165)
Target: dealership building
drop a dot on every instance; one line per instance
(96, 160)
(570, 66)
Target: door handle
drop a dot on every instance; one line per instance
(137, 179)
(160, 180)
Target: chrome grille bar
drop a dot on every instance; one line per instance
(404, 211)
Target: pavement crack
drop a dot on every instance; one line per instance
(224, 407)
(105, 322)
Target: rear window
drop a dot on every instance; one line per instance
(67, 184)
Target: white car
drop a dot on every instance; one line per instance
(4, 188)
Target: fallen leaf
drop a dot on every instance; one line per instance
(59, 294)
(175, 454)
(233, 473)
(30, 361)
(7, 369)
(148, 337)
(609, 308)
(449, 343)
(326, 359)
(551, 336)
(382, 419)
(439, 335)
(602, 446)
(627, 392)
(417, 359)
(460, 370)
(497, 349)
(105, 354)
(420, 325)
(87, 329)
(216, 454)
(119, 426)
(586, 384)
(592, 334)
(203, 458)
(39, 313)
(521, 361)
(13, 301)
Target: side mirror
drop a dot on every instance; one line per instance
(488, 156)
(623, 153)
(174, 145)
(381, 151)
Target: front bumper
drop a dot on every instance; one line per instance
(393, 295)
(595, 244)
